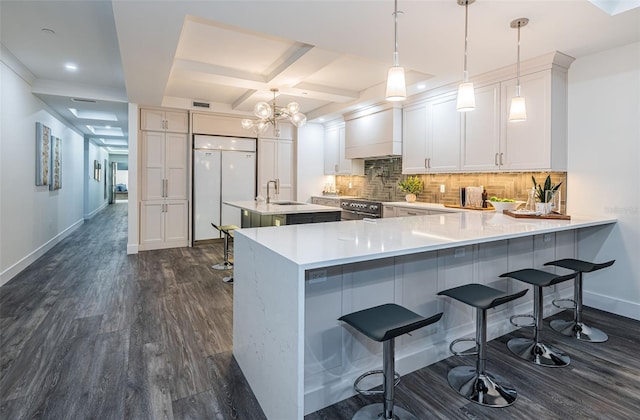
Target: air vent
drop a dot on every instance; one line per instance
(201, 104)
(91, 101)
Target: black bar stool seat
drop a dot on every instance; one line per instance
(576, 328)
(534, 350)
(383, 324)
(475, 383)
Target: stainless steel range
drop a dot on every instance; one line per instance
(357, 209)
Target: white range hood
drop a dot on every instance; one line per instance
(374, 132)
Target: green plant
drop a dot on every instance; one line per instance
(540, 189)
(411, 185)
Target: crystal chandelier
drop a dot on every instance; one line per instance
(270, 114)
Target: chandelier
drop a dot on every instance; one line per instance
(270, 114)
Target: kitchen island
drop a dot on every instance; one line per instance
(280, 213)
(292, 284)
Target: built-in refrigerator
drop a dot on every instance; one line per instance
(224, 169)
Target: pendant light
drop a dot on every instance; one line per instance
(518, 109)
(396, 85)
(466, 96)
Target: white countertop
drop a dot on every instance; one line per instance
(273, 208)
(333, 243)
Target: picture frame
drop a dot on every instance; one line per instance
(43, 154)
(56, 164)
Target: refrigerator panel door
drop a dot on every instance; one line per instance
(238, 183)
(206, 194)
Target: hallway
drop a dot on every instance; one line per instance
(91, 332)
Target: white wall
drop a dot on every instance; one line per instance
(604, 169)
(310, 162)
(32, 218)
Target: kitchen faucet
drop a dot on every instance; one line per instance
(275, 185)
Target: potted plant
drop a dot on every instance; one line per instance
(545, 193)
(412, 185)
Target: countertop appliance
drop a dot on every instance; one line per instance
(224, 169)
(358, 209)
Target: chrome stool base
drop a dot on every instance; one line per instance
(579, 331)
(484, 389)
(223, 266)
(541, 354)
(376, 411)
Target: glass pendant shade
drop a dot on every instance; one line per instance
(262, 110)
(247, 124)
(293, 108)
(396, 86)
(298, 119)
(466, 97)
(518, 109)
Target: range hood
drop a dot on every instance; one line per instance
(374, 132)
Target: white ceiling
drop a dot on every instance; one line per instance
(329, 56)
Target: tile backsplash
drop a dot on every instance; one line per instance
(381, 178)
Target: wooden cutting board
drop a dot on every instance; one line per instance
(537, 216)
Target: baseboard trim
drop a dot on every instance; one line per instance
(613, 305)
(96, 211)
(132, 249)
(16, 268)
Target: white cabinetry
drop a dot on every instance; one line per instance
(481, 137)
(326, 201)
(163, 120)
(335, 162)
(389, 210)
(432, 136)
(276, 163)
(374, 132)
(164, 206)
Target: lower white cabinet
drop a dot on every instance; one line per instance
(324, 201)
(401, 211)
(163, 224)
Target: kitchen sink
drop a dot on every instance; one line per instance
(287, 203)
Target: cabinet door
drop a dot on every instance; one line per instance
(285, 169)
(414, 140)
(175, 221)
(404, 211)
(177, 121)
(388, 211)
(481, 136)
(151, 119)
(176, 166)
(151, 223)
(267, 161)
(153, 156)
(443, 134)
(331, 150)
(527, 144)
(346, 166)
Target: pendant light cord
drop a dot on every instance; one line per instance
(518, 64)
(395, 50)
(466, 17)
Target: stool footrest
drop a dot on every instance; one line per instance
(373, 372)
(558, 303)
(515, 324)
(463, 353)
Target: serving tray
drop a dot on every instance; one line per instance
(537, 216)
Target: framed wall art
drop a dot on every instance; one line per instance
(56, 163)
(43, 154)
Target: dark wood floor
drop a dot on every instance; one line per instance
(88, 332)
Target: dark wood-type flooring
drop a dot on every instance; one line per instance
(88, 332)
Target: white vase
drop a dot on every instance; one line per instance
(410, 198)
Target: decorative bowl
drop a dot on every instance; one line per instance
(503, 205)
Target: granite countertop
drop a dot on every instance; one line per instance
(333, 243)
(274, 208)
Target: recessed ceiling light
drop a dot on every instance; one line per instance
(321, 119)
(104, 131)
(421, 86)
(48, 31)
(71, 66)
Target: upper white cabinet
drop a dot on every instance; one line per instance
(218, 125)
(335, 162)
(374, 132)
(164, 166)
(164, 120)
(276, 160)
(432, 136)
(481, 137)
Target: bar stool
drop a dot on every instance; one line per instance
(227, 231)
(475, 383)
(383, 324)
(534, 350)
(576, 328)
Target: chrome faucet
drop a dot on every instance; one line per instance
(275, 187)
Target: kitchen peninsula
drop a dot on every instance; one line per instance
(292, 284)
(280, 213)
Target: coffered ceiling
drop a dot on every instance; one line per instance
(329, 56)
